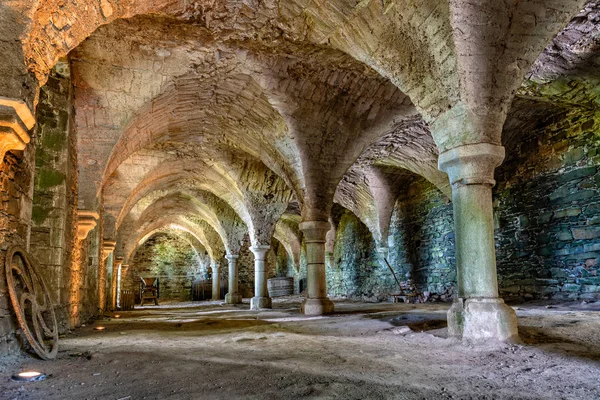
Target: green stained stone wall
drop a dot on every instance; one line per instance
(547, 215)
(421, 249)
(174, 261)
(547, 211)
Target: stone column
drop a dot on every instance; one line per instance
(233, 297)
(86, 221)
(123, 270)
(216, 282)
(107, 248)
(114, 284)
(478, 313)
(316, 302)
(261, 297)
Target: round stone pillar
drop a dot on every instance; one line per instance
(216, 282)
(117, 261)
(261, 297)
(233, 297)
(316, 302)
(108, 247)
(478, 313)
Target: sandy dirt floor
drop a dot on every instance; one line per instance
(365, 351)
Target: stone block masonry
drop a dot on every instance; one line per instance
(547, 217)
(173, 260)
(55, 186)
(16, 177)
(548, 204)
(421, 249)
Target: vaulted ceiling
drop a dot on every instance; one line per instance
(226, 118)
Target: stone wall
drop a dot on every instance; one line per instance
(548, 210)
(421, 249)
(174, 261)
(421, 242)
(53, 227)
(285, 267)
(284, 264)
(92, 266)
(39, 199)
(547, 214)
(39, 211)
(246, 270)
(16, 178)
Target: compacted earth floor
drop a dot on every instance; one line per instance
(208, 350)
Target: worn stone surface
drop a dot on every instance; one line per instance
(420, 249)
(16, 197)
(175, 261)
(232, 122)
(54, 209)
(545, 217)
(547, 210)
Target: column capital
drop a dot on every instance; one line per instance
(86, 221)
(231, 257)
(108, 246)
(471, 164)
(16, 119)
(315, 231)
(260, 251)
(214, 266)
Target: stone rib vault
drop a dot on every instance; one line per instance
(307, 139)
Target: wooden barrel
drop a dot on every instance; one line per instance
(126, 300)
(202, 290)
(280, 286)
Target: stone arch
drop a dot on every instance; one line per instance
(287, 233)
(250, 128)
(175, 222)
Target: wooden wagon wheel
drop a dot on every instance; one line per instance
(31, 301)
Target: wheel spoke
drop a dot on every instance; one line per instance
(28, 291)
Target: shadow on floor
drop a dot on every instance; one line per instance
(417, 322)
(532, 336)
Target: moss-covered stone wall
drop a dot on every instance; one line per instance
(39, 199)
(548, 210)
(174, 261)
(421, 249)
(547, 215)
(53, 227)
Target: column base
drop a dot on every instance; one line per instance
(233, 298)
(482, 319)
(317, 306)
(257, 303)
